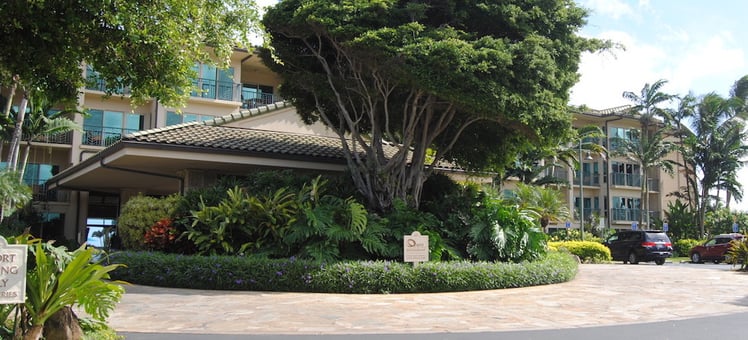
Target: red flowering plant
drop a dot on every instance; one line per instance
(161, 236)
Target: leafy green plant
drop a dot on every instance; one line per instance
(682, 246)
(57, 279)
(504, 233)
(139, 214)
(330, 228)
(243, 224)
(361, 277)
(738, 254)
(587, 251)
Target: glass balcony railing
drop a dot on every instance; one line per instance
(215, 89)
(623, 179)
(588, 179)
(104, 136)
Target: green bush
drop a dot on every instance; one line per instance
(682, 246)
(575, 235)
(502, 232)
(260, 274)
(139, 214)
(587, 251)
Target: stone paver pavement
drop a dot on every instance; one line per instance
(601, 294)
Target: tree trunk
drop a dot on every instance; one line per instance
(15, 142)
(34, 333)
(25, 158)
(63, 325)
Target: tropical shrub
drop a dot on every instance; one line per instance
(58, 279)
(502, 232)
(682, 246)
(242, 224)
(587, 251)
(681, 221)
(161, 236)
(738, 254)
(139, 214)
(329, 227)
(299, 275)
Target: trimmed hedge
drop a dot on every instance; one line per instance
(293, 275)
(682, 246)
(587, 251)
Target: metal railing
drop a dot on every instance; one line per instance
(40, 193)
(104, 136)
(97, 83)
(653, 184)
(260, 100)
(53, 138)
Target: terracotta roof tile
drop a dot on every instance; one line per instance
(242, 139)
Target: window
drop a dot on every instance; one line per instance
(173, 118)
(99, 231)
(626, 208)
(213, 83)
(626, 174)
(617, 135)
(106, 127)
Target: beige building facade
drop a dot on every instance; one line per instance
(237, 123)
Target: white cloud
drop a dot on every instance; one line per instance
(605, 76)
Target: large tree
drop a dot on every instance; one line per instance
(148, 45)
(472, 82)
(717, 149)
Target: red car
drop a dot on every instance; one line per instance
(714, 249)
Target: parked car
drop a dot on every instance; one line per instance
(713, 249)
(634, 246)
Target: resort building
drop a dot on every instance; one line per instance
(238, 123)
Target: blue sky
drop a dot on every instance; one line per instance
(697, 46)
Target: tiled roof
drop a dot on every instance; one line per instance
(217, 137)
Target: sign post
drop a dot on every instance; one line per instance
(12, 272)
(415, 248)
(634, 226)
(665, 227)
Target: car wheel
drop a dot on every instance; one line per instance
(632, 258)
(717, 261)
(660, 262)
(695, 258)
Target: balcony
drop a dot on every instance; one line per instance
(104, 136)
(653, 184)
(633, 215)
(94, 82)
(53, 138)
(588, 179)
(260, 100)
(626, 214)
(42, 194)
(214, 89)
(628, 180)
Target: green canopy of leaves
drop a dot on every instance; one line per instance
(149, 46)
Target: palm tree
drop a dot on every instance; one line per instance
(13, 194)
(677, 117)
(42, 120)
(648, 154)
(647, 111)
(716, 150)
(546, 202)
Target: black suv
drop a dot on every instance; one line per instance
(634, 246)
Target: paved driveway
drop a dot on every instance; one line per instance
(601, 294)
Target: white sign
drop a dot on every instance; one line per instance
(415, 247)
(12, 272)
